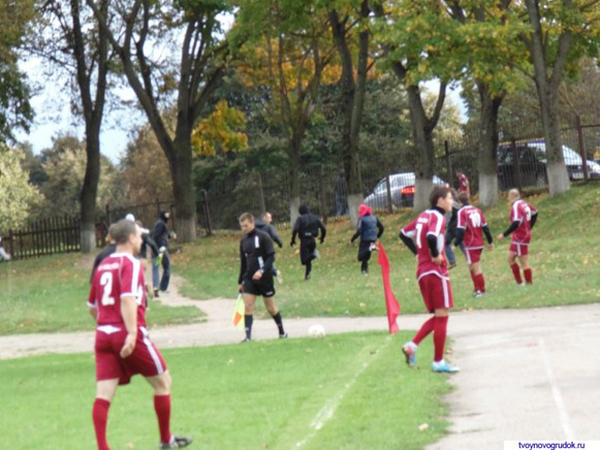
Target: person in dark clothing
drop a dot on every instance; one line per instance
(109, 250)
(451, 232)
(370, 229)
(160, 235)
(307, 226)
(257, 255)
(264, 223)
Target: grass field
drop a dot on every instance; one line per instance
(346, 392)
(49, 294)
(564, 262)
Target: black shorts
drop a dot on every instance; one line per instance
(264, 287)
(307, 250)
(364, 250)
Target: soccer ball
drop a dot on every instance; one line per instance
(316, 331)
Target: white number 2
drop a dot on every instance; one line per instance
(106, 280)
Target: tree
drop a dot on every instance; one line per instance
(289, 54)
(418, 39)
(149, 26)
(65, 166)
(17, 195)
(15, 110)
(146, 169)
(73, 41)
(561, 32)
(346, 19)
(492, 56)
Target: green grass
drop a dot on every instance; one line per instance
(563, 257)
(49, 294)
(264, 395)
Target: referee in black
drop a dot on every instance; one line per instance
(257, 255)
(307, 226)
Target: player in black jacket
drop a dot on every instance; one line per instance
(257, 255)
(307, 226)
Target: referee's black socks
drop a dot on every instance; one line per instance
(248, 319)
(279, 322)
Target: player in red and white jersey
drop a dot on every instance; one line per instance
(425, 238)
(522, 219)
(463, 182)
(470, 227)
(123, 348)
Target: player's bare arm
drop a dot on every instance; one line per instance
(129, 313)
(93, 312)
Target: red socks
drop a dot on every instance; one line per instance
(439, 337)
(162, 406)
(516, 272)
(426, 328)
(528, 276)
(100, 416)
(480, 282)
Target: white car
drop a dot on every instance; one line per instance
(402, 186)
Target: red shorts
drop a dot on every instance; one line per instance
(436, 292)
(473, 255)
(145, 359)
(519, 248)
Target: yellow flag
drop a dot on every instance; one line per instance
(238, 313)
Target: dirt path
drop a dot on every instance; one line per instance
(526, 374)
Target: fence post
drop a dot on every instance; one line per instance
(388, 187)
(261, 195)
(207, 213)
(582, 152)
(10, 243)
(322, 193)
(157, 207)
(517, 164)
(448, 161)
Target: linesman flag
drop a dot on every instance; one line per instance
(392, 305)
(238, 313)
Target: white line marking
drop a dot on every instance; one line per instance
(558, 399)
(328, 410)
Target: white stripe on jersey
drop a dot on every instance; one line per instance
(515, 208)
(135, 275)
(160, 369)
(440, 221)
(446, 296)
(256, 242)
(458, 223)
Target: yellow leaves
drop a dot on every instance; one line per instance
(220, 130)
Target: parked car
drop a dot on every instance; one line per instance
(402, 186)
(532, 162)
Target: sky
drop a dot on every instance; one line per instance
(53, 116)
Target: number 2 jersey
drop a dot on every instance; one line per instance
(472, 220)
(429, 223)
(119, 275)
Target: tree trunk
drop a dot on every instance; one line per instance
(488, 145)
(423, 141)
(89, 191)
(547, 81)
(558, 176)
(183, 188)
(294, 152)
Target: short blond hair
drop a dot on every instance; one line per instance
(246, 217)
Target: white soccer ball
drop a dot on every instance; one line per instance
(316, 331)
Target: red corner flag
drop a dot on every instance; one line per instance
(392, 305)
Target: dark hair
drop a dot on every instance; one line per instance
(463, 197)
(246, 217)
(437, 193)
(458, 170)
(121, 230)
